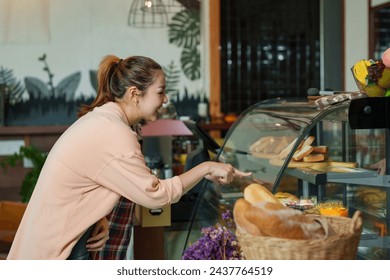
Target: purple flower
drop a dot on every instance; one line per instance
(217, 243)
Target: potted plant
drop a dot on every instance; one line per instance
(11, 212)
(37, 159)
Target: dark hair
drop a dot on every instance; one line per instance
(116, 75)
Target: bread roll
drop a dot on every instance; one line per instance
(260, 144)
(253, 146)
(286, 197)
(321, 149)
(283, 142)
(255, 193)
(240, 207)
(280, 221)
(301, 153)
(308, 141)
(284, 153)
(314, 157)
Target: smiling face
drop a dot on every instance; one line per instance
(152, 98)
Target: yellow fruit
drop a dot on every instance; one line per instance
(374, 91)
(384, 81)
(360, 71)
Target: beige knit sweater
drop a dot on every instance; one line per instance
(95, 161)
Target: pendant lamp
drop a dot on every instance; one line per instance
(148, 14)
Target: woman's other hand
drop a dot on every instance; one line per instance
(99, 236)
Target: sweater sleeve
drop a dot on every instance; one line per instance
(129, 176)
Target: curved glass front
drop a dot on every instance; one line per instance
(348, 144)
(281, 120)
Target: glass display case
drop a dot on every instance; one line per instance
(267, 139)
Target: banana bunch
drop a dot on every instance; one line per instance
(373, 76)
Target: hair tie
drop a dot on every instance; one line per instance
(117, 64)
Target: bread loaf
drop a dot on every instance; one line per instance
(255, 193)
(240, 208)
(280, 221)
(261, 213)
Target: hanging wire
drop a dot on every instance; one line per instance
(148, 14)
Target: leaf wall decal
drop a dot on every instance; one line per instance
(36, 88)
(184, 30)
(67, 87)
(190, 63)
(93, 79)
(15, 88)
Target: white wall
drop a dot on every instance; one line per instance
(81, 33)
(356, 37)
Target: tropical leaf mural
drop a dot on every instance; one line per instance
(15, 88)
(184, 29)
(190, 63)
(184, 32)
(66, 88)
(93, 79)
(36, 88)
(172, 77)
(46, 103)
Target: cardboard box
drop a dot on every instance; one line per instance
(156, 217)
(11, 214)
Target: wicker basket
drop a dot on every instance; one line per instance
(340, 246)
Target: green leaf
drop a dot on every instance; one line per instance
(172, 77)
(37, 158)
(184, 29)
(190, 63)
(15, 88)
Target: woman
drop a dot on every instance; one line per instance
(98, 159)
